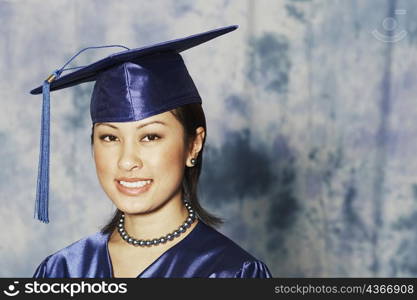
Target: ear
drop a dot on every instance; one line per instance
(196, 145)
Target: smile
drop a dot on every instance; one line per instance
(133, 188)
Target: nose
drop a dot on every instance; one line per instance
(129, 158)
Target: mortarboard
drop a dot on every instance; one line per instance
(130, 85)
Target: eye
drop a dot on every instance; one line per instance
(150, 137)
(108, 138)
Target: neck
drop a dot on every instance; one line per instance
(157, 223)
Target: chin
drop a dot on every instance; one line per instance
(133, 205)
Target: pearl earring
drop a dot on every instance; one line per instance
(193, 161)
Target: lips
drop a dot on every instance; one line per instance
(133, 186)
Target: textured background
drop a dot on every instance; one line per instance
(311, 115)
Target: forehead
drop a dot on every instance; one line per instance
(166, 119)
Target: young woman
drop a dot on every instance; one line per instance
(148, 137)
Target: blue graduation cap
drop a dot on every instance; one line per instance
(130, 85)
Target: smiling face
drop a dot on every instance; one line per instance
(140, 164)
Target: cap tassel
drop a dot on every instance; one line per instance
(42, 190)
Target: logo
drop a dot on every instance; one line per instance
(390, 25)
(12, 290)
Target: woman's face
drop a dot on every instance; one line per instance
(140, 165)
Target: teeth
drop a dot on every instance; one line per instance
(135, 184)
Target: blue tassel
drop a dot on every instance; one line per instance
(42, 189)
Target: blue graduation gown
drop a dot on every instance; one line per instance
(204, 252)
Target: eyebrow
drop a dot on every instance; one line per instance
(139, 127)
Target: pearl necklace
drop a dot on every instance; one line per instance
(155, 242)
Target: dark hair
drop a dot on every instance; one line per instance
(191, 116)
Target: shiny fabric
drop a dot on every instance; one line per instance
(133, 91)
(204, 252)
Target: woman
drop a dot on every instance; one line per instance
(148, 137)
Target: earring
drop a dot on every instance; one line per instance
(193, 161)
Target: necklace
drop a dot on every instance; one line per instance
(155, 242)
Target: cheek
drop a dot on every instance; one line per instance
(103, 160)
(169, 159)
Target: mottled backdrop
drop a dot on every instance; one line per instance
(311, 115)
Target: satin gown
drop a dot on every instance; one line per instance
(204, 252)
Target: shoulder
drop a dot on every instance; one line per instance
(223, 245)
(226, 258)
(66, 261)
(83, 245)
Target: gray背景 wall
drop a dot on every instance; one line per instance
(311, 112)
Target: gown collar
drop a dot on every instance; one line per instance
(176, 247)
